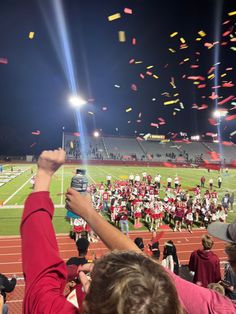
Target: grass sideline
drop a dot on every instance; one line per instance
(10, 217)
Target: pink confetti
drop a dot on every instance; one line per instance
(154, 124)
(201, 86)
(142, 76)
(134, 41)
(134, 87)
(131, 61)
(128, 11)
(3, 60)
(36, 132)
(196, 78)
(228, 84)
(104, 108)
(229, 118)
(194, 66)
(149, 73)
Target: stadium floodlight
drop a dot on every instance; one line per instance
(96, 134)
(220, 113)
(76, 101)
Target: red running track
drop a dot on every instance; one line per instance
(10, 255)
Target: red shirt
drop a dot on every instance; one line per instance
(44, 270)
(206, 266)
(105, 196)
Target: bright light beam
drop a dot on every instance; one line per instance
(68, 67)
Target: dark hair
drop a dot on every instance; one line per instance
(129, 282)
(82, 246)
(139, 243)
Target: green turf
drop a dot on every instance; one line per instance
(10, 218)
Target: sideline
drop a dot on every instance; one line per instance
(20, 188)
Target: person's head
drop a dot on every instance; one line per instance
(155, 250)
(82, 246)
(139, 243)
(207, 242)
(128, 282)
(230, 250)
(216, 287)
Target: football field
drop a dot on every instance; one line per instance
(15, 186)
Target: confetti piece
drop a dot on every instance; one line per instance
(131, 61)
(149, 73)
(232, 13)
(226, 22)
(139, 138)
(162, 123)
(233, 39)
(213, 96)
(200, 78)
(31, 35)
(226, 33)
(172, 50)
(171, 102)
(134, 87)
(138, 121)
(227, 143)
(90, 112)
(134, 41)
(71, 145)
(194, 66)
(174, 113)
(227, 84)
(36, 132)
(198, 38)
(203, 107)
(233, 48)
(121, 35)
(229, 118)
(153, 99)
(202, 33)
(173, 34)
(117, 129)
(226, 100)
(114, 17)
(182, 40)
(181, 105)
(177, 109)
(150, 67)
(129, 121)
(210, 77)
(128, 11)
(117, 86)
(154, 124)
(77, 134)
(140, 114)
(212, 121)
(211, 70)
(201, 86)
(128, 109)
(208, 45)
(223, 75)
(104, 108)
(233, 133)
(161, 119)
(142, 75)
(138, 62)
(3, 60)
(155, 76)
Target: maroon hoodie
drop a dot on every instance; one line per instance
(206, 266)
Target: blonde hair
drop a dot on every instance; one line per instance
(130, 283)
(216, 287)
(207, 242)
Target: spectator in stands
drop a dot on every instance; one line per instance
(112, 275)
(170, 258)
(205, 264)
(82, 245)
(6, 286)
(229, 276)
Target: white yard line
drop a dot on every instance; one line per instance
(91, 178)
(20, 188)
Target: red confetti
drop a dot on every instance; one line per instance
(196, 78)
(212, 121)
(229, 118)
(228, 84)
(201, 86)
(76, 134)
(226, 33)
(194, 66)
(226, 100)
(149, 73)
(213, 96)
(203, 107)
(226, 143)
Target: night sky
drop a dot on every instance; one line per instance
(34, 89)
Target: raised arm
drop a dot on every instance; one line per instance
(44, 270)
(112, 237)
